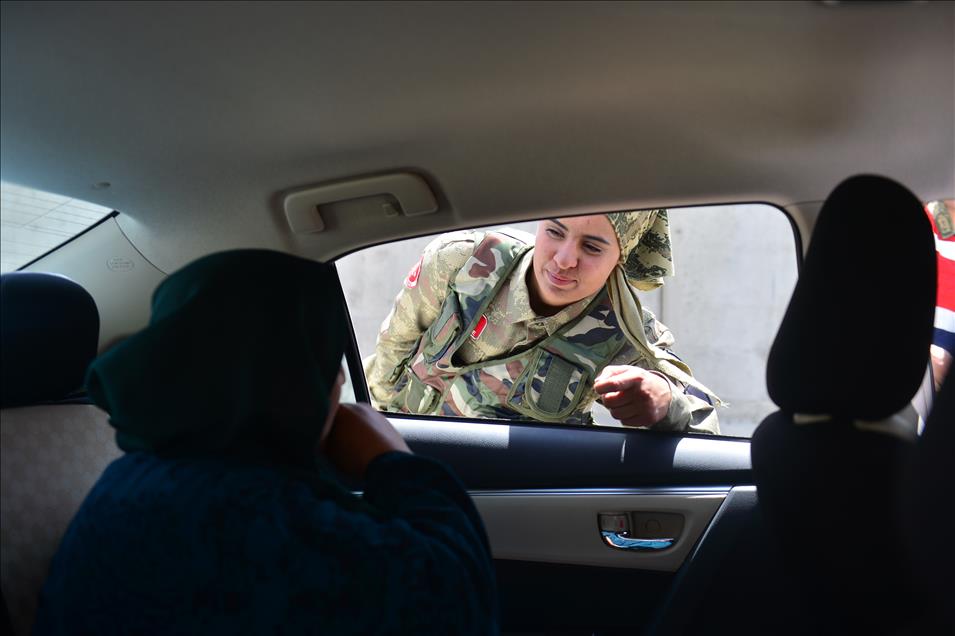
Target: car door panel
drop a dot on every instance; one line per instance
(561, 526)
(505, 456)
(551, 598)
(540, 488)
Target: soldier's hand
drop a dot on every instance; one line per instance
(359, 434)
(634, 396)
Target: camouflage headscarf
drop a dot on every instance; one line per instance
(645, 258)
(645, 253)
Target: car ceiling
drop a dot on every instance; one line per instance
(200, 114)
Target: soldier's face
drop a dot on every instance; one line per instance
(573, 257)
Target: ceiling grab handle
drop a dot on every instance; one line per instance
(412, 193)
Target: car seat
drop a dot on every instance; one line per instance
(928, 517)
(849, 356)
(53, 444)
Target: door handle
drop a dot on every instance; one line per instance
(640, 531)
(620, 542)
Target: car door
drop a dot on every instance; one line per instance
(607, 530)
(552, 499)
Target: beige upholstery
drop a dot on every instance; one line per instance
(50, 457)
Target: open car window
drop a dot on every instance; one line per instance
(734, 268)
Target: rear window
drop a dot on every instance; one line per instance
(34, 222)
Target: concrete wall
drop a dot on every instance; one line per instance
(735, 270)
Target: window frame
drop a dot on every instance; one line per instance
(356, 375)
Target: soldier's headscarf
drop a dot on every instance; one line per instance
(646, 257)
(645, 252)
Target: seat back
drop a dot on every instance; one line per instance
(850, 354)
(928, 516)
(53, 446)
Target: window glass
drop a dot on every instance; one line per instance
(348, 389)
(34, 222)
(734, 270)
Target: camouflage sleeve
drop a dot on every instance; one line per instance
(688, 412)
(416, 306)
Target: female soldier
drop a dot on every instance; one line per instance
(493, 324)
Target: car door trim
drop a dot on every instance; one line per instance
(560, 525)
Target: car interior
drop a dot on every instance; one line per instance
(327, 130)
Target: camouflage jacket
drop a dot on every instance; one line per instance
(462, 340)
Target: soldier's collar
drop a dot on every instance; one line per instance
(518, 300)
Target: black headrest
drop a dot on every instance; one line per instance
(855, 339)
(49, 333)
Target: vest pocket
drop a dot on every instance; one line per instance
(416, 396)
(550, 387)
(441, 335)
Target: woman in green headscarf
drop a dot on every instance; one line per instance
(495, 324)
(225, 514)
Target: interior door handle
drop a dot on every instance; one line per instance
(620, 542)
(640, 531)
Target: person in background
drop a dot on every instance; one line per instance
(942, 216)
(225, 514)
(504, 325)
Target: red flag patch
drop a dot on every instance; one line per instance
(412, 281)
(479, 328)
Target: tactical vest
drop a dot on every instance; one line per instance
(543, 383)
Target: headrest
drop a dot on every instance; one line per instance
(49, 333)
(855, 339)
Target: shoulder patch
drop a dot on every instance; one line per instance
(943, 221)
(412, 280)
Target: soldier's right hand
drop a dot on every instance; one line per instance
(634, 396)
(358, 435)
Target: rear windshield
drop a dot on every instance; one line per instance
(34, 222)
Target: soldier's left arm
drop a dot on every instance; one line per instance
(689, 410)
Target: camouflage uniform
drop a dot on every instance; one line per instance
(462, 340)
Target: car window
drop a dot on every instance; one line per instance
(734, 268)
(34, 222)
(348, 387)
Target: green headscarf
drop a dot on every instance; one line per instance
(645, 258)
(238, 360)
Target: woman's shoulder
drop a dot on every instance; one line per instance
(445, 256)
(142, 476)
(177, 497)
(464, 242)
(450, 250)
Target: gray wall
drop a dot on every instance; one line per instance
(735, 270)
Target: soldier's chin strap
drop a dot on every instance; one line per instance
(630, 316)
